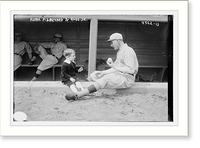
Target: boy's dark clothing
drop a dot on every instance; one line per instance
(68, 70)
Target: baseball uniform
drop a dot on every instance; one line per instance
(125, 57)
(50, 59)
(19, 49)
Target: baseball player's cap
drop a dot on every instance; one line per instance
(115, 36)
(58, 35)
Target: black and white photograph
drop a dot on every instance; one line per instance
(92, 68)
(76, 68)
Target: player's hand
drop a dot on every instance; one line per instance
(99, 74)
(72, 79)
(110, 62)
(80, 69)
(30, 62)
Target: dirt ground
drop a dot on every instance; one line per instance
(102, 106)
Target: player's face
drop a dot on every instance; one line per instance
(56, 39)
(72, 56)
(115, 44)
(18, 38)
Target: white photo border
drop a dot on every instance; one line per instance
(176, 83)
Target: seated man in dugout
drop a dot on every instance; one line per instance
(20, 47)
(121, 74)
(49, 59)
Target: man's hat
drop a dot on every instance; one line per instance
(58, 35)
(115, 36)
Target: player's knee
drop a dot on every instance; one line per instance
(40, 48)
(105, 78)
(93, 76)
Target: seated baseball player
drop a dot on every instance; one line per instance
(121, 74)
(49, 59)
(69, 70)
(20, 47)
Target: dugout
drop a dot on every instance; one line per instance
(151, 36)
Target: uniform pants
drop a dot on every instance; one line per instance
(17, 61)
(114, 80)
(48, 60)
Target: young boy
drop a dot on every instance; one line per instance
(69, 70)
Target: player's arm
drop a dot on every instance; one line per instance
(104, 72)
(111, 70)
(79, 69)
(44, 45)
(124, 68)
(127, 66)
(127, 69)
(61, 48)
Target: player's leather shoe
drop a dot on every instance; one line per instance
(70, 95)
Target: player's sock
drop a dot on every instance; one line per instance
(73, 88)
(83, 93)
(92, 88)
(79, 86)
(34, 78)
(37, 74)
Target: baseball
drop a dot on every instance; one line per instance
(109, 59)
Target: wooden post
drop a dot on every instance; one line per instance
(53, 72)
(93, 45)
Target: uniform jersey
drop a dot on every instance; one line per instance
(125, 57)
(19, 49)
(22, 47)
(56, 48)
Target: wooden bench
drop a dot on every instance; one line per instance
(146, 70)
(158, 75)
(53, 68)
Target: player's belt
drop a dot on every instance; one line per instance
(55, 56)
(132, 74)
